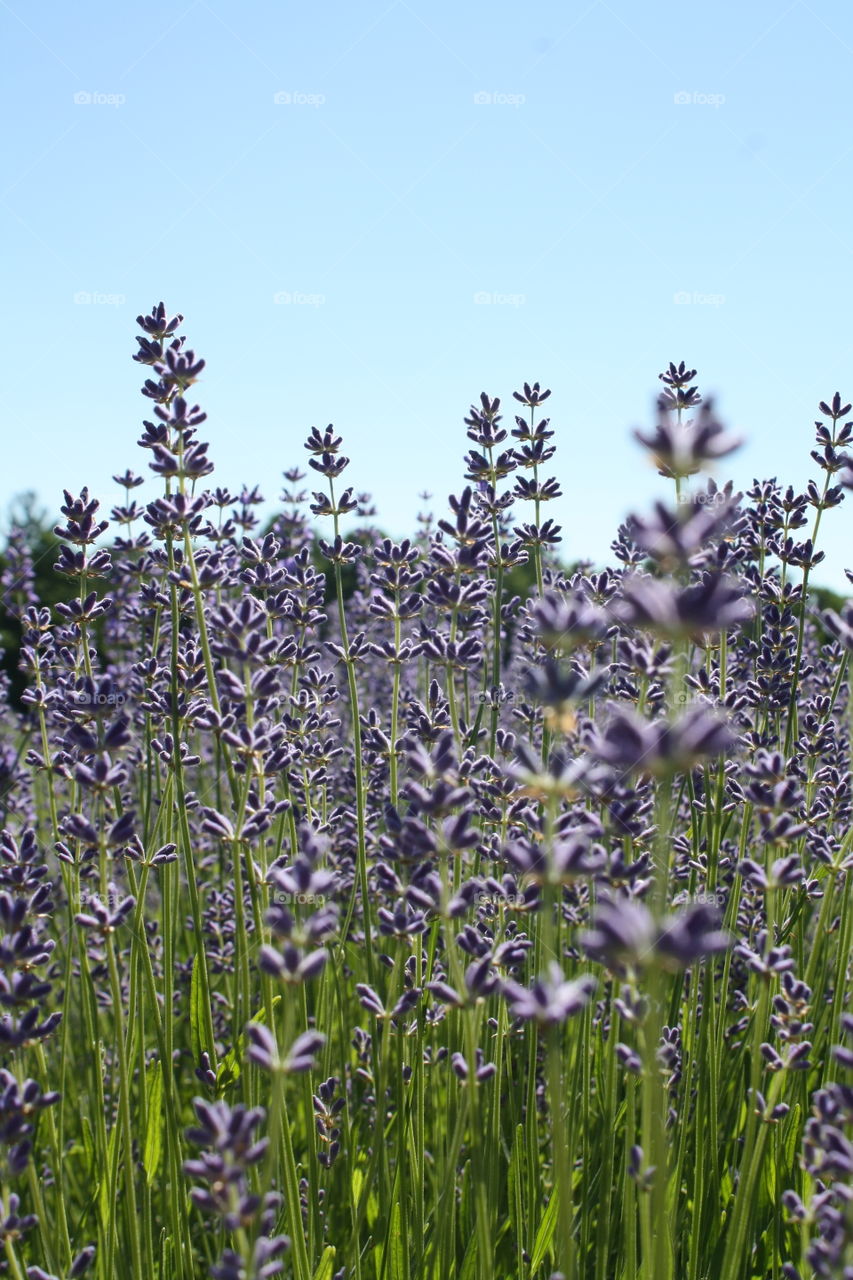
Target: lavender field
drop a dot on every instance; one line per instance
(436, 909)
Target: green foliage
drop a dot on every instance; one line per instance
(50, 586)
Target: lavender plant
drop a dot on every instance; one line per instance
(379, 910)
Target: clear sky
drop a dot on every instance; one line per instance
(371, 211)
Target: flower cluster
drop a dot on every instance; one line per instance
(490, 915)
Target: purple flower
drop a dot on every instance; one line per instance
(692, 934)
(625, 936)
(715, 603)
(661, 747)
(683, 448)
(551, 999)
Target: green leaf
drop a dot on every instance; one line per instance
(515, 1177)
(359, 1175)
(105, 1193)
(769, 1182)
(195, 1012)
(324, 1268)
(464, 1192)
(469, 1262)
(228, 1071)
(545, 1234)
(89, 1146)
(166, 1251)
(397, 1262)
(792, 1140)
(261, 1016)
(92, 1167)
(153, 1129)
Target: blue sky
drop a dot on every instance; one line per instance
(371, 211)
